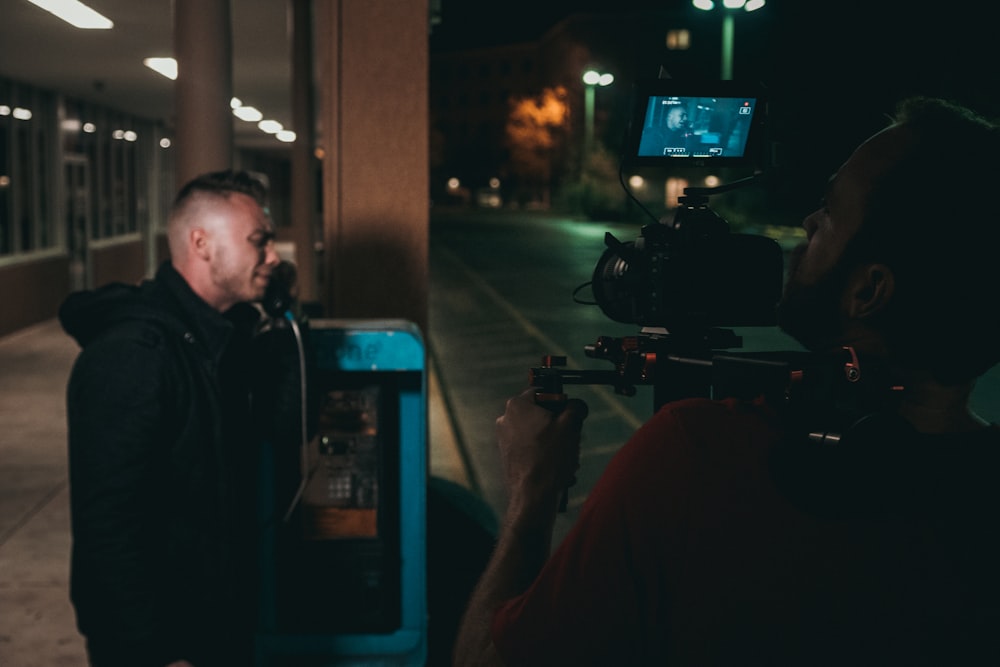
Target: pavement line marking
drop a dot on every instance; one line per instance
(605, 394)
(448, 409)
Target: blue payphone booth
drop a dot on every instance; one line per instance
(343, 570)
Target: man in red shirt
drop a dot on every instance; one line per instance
(718, 535)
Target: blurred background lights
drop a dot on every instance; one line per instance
(249, 114)
(593, 78)
(673, 189)
(164, 66)
(168, 68)
(678, 40)
(270, 126)
(75, 13)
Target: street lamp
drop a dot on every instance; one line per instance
(728, 26)
(592, 79)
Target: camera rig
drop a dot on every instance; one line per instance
(680, 282)
(684, 282)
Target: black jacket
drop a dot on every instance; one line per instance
(162, 467)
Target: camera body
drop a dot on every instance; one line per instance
(692, 273)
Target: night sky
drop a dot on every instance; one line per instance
(833, 68)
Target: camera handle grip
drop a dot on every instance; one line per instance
(555, 402)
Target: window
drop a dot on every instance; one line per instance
(38, 133)
(27, 157)
(678, 40)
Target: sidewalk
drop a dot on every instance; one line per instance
(37, 624)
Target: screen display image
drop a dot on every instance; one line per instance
(696, 127)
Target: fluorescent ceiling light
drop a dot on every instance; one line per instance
(270, 126)
(248, 113)
(75, 13)
(165, 66)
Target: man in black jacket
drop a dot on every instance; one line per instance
(160, 453)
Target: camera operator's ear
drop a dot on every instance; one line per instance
(871, 289)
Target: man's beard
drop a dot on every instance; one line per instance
(811, 313)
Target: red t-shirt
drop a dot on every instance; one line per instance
(713, 539)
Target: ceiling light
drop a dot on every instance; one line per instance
(248, 113)
(75, 13)
(270, 126)
(285, 135)
(165, 66)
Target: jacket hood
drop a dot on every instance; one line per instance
(84, 315)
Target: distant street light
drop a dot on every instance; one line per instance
(728, 26)
(592, 79)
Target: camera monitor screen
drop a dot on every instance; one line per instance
(709, 124)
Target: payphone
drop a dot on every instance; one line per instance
(343, 568)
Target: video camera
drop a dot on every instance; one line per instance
(682, 279)
(692, 272)
(686, 279)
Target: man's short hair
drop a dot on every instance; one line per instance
(223, 183)
(931, 218)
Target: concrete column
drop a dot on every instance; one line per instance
(204, 122)
(373, 60)
(304, 170)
